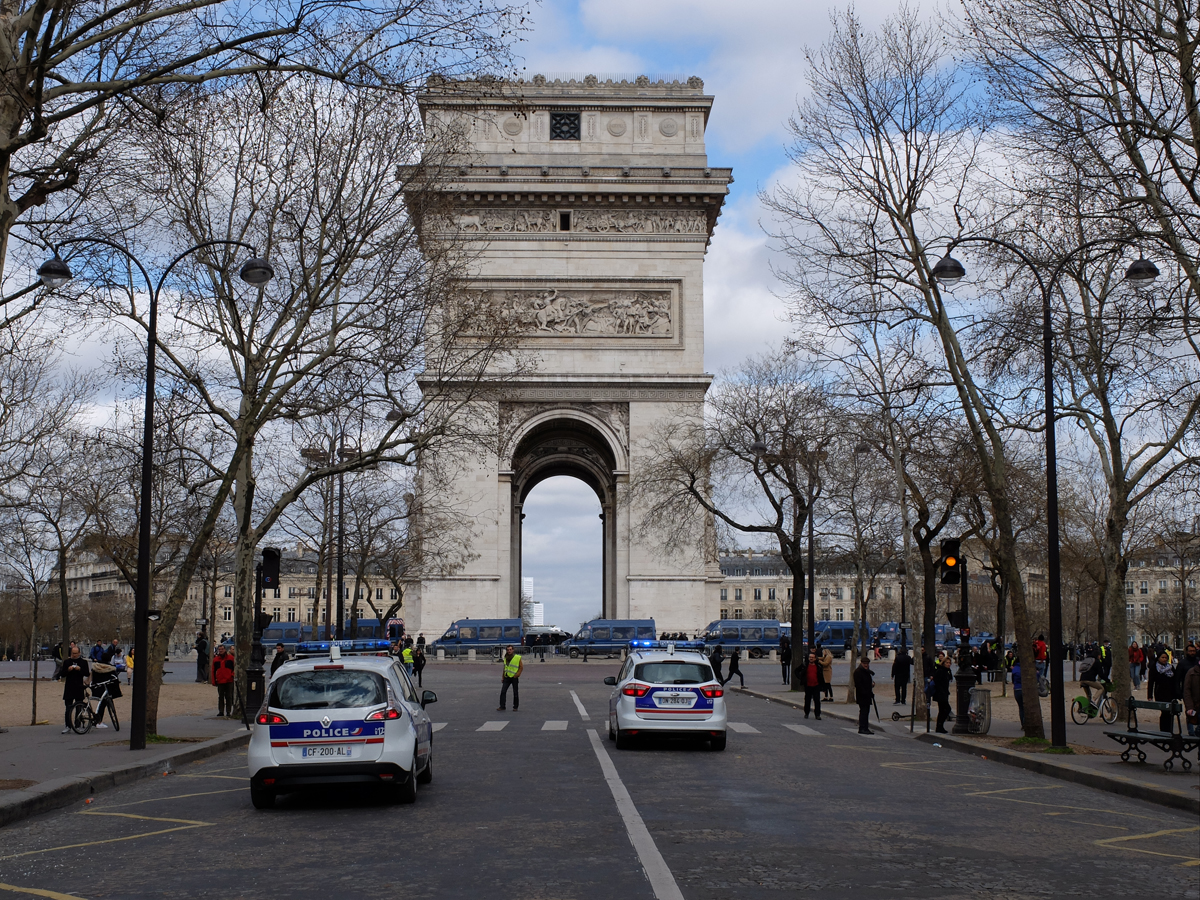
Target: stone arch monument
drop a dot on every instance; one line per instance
(588, 207)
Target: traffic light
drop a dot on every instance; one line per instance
(270, 569)
(957, 617)
(262, 621)
(951, 562)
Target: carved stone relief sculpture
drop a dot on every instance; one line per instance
(588, 221)
(582, 311)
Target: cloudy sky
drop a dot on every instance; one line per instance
(750, 55)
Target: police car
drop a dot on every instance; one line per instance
(342, 712)
(666, 687)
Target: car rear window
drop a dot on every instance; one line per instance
(328, 689)
(669, 672)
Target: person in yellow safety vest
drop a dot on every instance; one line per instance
(511, 675)
(407, 657)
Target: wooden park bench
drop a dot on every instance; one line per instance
(1174, 742)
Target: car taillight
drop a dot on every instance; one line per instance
(270, 718)
(381, 715)
(712, 692)
(635, 690)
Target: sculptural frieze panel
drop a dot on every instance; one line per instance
(583, 311)
(585, 221)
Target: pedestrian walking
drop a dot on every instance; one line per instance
(1040, 655)
(785, 658)
(826, 660)
(812, 676)
(201, 648)
(1191, 700)
(1016, 680)
(717, 659)
(1137, 658)
(421, 642)
(406, 657)
(735, 659)
(511, 675)
(864, 693)
(129, 666)
(419, 666)
(58, 660)
(76, 673)
(941, 692)
(901, 675)
(1185, 664)
(224, 671)
(279, 658)
(1163, 687)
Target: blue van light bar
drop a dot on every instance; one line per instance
(321, 648)
(662, 645)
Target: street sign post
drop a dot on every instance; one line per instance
(202, 621)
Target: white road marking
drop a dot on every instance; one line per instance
(493, 726)
(804, 729)
(662, 882)
(583, 714)
(555, 725)
(438, 726)
(743, 728)
(876, 735)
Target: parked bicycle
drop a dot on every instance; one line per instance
(1083, 711)
(105, 687)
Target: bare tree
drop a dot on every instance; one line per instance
(756, 465)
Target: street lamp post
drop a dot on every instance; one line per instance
(949, 271)
(54, 273)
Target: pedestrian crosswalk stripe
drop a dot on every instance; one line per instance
(803, 729)
(492, 726)
(438, 726)
(743, 728)
(855, 731)
(555, 725)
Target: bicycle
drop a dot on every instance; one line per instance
(1083, 711)
(84, 715)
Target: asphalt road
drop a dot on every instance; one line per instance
(528, 811)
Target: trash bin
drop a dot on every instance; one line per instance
(979, 710)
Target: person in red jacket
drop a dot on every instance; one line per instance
(224, 671)
(1137, 659)
(1041, 655)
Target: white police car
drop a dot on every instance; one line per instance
(666, 687)
(342, 712)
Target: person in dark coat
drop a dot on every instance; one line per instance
(812, 676)
(75, 674)
(735, 668)
(1162, 686)
(717, 659)
(201, 648)
(941, 693)
(279, 658)
(864, 693)
(419, 663)
(785, 658)
(901, 675)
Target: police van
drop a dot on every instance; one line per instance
(482, 635)
(604, 637)
(838, 636)
(754, 637)
(341, 713)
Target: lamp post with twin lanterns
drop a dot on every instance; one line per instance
(54, 273)
(1141, 273)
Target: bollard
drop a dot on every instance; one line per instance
(471, 655)
(441, 653)
(774, 655)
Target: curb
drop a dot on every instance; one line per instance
(1064, 771)
(60, 792)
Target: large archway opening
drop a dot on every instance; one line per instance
(571, 457)
(562, 552)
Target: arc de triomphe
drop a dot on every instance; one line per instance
(587, 208)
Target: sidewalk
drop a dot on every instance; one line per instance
(1096, 762)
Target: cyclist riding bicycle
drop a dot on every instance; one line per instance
(1091, 673)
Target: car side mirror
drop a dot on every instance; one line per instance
(611, 680)
(428, 697)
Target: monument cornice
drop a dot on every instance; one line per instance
(594, 388)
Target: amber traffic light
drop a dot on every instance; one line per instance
(951, 562)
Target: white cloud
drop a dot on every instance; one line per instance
(562, 550)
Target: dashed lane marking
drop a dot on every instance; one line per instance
(583, 713)
(803, 729)
(555, 725)
(438, 726)
(662, 882)
(743, 728)
(493, 726)
(38, 892)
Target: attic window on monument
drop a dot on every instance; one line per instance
(564, 221)
(564, 126)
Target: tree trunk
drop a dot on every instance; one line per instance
(243, 567)
(1010, 574)
(33, 659)
(798, 632)
(62, 596)
(1116, 567)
